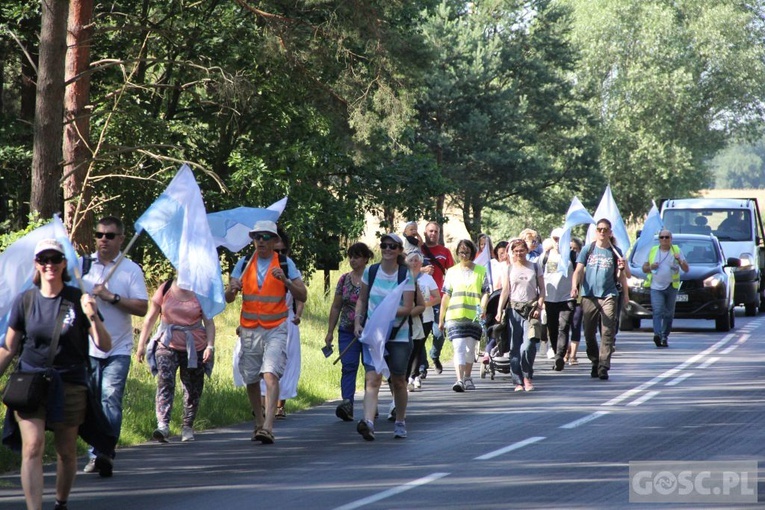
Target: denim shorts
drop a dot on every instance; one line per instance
(396, 356)
(263, 351)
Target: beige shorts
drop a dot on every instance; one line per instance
(263, 351)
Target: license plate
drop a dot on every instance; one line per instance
(683, 298)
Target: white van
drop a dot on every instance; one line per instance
(737, 223)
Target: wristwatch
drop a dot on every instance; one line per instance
(116, 299)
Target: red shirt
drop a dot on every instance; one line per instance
(444, 256)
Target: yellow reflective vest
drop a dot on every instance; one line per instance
(466, 294)
(652, 256)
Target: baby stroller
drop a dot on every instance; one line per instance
(498, 345)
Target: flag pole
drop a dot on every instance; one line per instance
(339, 356)
(122, 256)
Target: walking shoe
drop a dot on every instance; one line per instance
(664, 342)
(417, 383)
(399, 430)
(161, 434)
(459, 387)
(657, 340)
(392, 412)
(550, 352)
(104, 466)
(594, 371)
(469, 383)
(527, 384)
(187, 434)
(90, 467)
(366, 429)
(559, 364)
(410, 385)
(344, 410)
(603, 373)
(423, 373)
(438, 365)
(264, 436)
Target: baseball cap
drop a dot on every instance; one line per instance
(393, 237)
(49, 245)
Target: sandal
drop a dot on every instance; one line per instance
(264, 436)
(280, 413)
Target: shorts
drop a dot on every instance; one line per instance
(264, 351)
(396, 356)
(75, 407)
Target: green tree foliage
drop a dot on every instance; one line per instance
(497, 108)
(670, 82)
(740, 166)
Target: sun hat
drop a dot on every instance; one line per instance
(264, 226)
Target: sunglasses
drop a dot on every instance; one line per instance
(281, 251)
(603, 229)
(389, 246)
(665, 237)
(49, 259)
(264, 237)
(109, 235)
(464, 253)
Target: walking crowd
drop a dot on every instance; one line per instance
(511, 295)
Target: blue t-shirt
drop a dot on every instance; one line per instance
(384, 284)
(599, 272)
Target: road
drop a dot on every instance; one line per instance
(568, 444)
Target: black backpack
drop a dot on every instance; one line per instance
(402, 272)
(613, 249)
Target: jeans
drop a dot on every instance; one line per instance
(600, 311)
(523, 350)
(108, 378)
(350, 361)
(438, 335)
(663, 305)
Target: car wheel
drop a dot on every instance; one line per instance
(732, 318)
(722, 323)
(627, 323)
(751, 309)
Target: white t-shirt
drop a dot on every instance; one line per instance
(129, 283)
(668, 264)
(426, 284)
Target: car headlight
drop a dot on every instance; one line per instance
(634, 281)
(746, 261)
(713, 281)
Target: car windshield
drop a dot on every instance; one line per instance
(696, 251)
(726, 224)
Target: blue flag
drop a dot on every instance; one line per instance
(651, 227)
(231, 228)
(177, 221)
(17, 266)
(576, 215)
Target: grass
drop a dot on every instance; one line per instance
(223, 404)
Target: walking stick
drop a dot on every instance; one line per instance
(345, 350)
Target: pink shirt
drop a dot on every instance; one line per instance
(181, 313)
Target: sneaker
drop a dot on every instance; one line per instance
(459, 387)
(60, 506)
(423, 373)
(527, 384)
(438, 365)
(410, 385)
(187, 434)
(417, 383)
(469, 383)
(392, 412)
(399, 430)
(550, 352)
(161, 434)
(664, 342)
(90, 467)
(366, 429)
(657, 340)
(344, 411)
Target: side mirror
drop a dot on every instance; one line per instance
(733, 262)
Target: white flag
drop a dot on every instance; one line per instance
(379, 325)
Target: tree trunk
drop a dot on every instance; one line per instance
(76, 148)
(49, 109)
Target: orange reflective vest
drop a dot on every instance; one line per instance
(265, 307)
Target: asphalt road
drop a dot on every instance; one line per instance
(568, 444)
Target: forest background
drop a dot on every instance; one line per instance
(502, 109)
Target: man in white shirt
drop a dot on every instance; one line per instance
(123, 296)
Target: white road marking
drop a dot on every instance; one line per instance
(677, 380)
(510, 448)
(392, 492)
(644, 398)
(581, 421)
(709, 362)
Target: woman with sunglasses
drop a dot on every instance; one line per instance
(34, 317)
(525, 289)
(388, 275)
(466, 293)
(342, 315)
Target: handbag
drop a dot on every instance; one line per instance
(26, 390)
